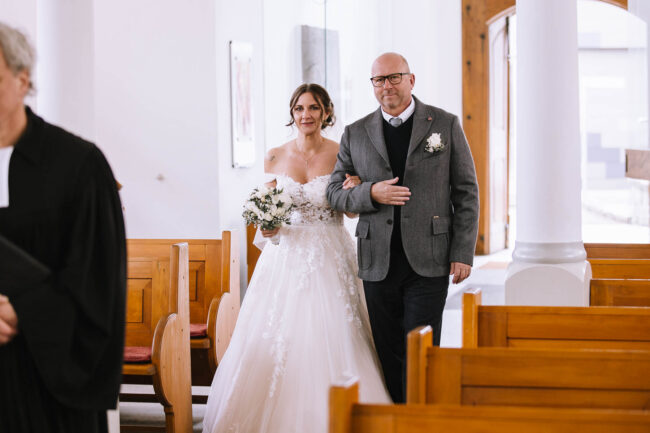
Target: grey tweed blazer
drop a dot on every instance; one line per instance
(440, 221)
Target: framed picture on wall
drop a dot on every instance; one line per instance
(241, 100)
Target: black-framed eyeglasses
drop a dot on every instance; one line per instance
(395, 78)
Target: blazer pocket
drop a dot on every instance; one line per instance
(440, 226)
(364, 252)
(436, 154)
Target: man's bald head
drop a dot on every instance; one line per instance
(393, 98)
(392, 59)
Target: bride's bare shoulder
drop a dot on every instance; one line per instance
(273, 156)
(332, 146)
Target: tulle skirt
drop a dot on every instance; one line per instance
(303, 326)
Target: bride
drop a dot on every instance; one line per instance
(302, 324)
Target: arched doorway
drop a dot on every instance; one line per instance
(478, 113)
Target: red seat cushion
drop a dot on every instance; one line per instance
(137, 354)
(198, 330)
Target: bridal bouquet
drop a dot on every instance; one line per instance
(268, 208)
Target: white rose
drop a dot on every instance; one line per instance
(435, 140)
(285, 198)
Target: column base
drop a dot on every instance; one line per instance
(545, 284)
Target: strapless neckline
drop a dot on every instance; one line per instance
(306, 183)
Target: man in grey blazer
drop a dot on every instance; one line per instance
(418, 211)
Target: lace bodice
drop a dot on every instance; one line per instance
(310, 201)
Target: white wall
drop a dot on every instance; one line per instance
(155, 105)
(65, 71)
(168, 118)
(240, 21)
(429, 34)
(426, 32)
(282, 65)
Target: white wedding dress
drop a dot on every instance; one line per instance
(302, 326)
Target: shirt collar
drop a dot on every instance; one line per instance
(404, 115)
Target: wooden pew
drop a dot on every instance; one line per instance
(348, 416)
(608, 379)
(553, 327)
(620, 282)
(628, 269)
(617, 251)
(252, 252)
(619, 293)
(213, 295)
(158, 336)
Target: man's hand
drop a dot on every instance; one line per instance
(351, 181)
(460, 271)
(8, 321)
(386, 192)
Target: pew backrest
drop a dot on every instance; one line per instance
(553, 327)
(630, 269)
(617, 251)
(210, 264)
(148, 294)
(526, 377)
(348, 416)
(619, 293)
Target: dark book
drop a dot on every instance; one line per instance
(18, 267)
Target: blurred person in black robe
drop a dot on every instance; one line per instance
(62, 337)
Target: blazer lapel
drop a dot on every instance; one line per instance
(375, 130)
(422, 121)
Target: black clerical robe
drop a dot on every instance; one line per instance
(63, 370)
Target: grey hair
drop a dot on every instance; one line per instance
(17, 51)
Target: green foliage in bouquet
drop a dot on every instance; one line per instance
(268, 208)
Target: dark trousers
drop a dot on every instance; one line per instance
(401, 302)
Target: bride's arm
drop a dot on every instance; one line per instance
(349, 183)
(270, 160)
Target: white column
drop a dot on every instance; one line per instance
(641, 8)
(549, 266)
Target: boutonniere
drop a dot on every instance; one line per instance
(434, 143)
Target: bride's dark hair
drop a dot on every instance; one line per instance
(321, 96)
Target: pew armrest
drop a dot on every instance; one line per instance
(162, 351)
(471, 302)
(212, 332)
(419, 341)
(226, 318)
(343, 396)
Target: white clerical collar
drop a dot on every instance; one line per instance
(5, 157)
(404, 115)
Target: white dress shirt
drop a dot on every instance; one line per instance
(5, 157)
(404, 115)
